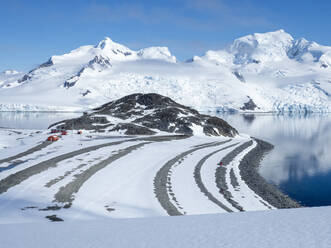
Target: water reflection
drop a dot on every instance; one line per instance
(249, 118)
(32, 120)
(300, 164)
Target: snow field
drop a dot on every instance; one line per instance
(13, 141)
(66, 144)
(127, 184)
(124, 188)
(290, 228)
(35, 186)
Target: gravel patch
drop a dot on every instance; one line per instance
(249, 167)
(233, 179)
(67, 173)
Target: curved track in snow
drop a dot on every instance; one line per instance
(199, 182)
(27, 152)
(65, 194)
(221, 181)
(22, 175)
(139, 177)
(162, 187)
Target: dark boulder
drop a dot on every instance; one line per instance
(250, 105)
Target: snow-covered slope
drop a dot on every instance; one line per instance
(260, 72)
(92, 175)
(9, 78)
(304, 228)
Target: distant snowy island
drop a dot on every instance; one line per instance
(269, 72)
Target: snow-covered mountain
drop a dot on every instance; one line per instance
(9, 78)
(260, 72)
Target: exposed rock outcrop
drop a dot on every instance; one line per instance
(147, 114)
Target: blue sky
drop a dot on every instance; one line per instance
(32, 31)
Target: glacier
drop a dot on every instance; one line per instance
(262, 72)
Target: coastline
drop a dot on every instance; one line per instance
(249, 172)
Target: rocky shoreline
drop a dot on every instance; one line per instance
(249, 172)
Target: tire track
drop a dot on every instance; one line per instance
(202, 187)
(20, 176)
(162, 185)
(18, 162)
(233, 179)
(66, 174)
(66, 193)
(27, 152)
(221, 174)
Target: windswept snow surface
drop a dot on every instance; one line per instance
(260, 72)
(293, 228)
(93, 176)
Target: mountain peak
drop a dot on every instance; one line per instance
(106, 42)
(259, 47)
(279, 31)
(109, 44)
(278, 37)
(161, 53)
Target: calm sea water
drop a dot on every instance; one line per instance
(300, 164)
(33, 120)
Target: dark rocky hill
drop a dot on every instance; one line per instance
(147, 114)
